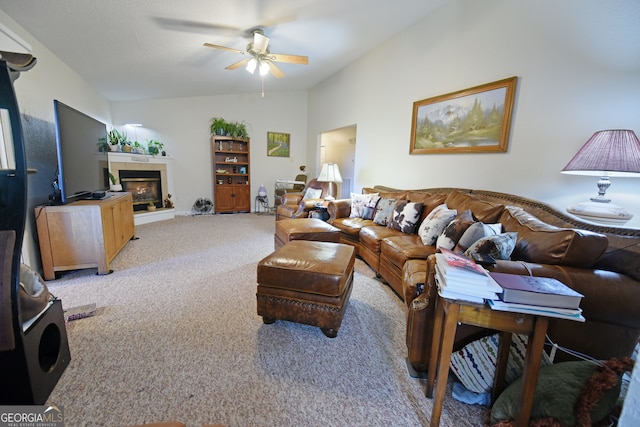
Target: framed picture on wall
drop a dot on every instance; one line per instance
(278, 144)
(467, 121)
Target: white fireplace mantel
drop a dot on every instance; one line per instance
(130, 161)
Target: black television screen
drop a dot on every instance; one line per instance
(82, 159)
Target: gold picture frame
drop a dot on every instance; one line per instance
(278, 144)
(474, 120)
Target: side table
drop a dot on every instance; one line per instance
(447, 316)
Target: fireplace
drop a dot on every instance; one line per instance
(137, 166)
(145, 187)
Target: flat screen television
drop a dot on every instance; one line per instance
(82, 160)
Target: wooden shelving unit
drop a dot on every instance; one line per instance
(231, 174)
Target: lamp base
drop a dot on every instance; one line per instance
(608, 213)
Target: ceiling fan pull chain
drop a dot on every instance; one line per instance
(262, 78)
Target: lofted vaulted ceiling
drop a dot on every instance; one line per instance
(145, 49)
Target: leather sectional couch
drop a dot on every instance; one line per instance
(601, 262)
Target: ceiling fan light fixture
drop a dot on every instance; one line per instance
(264, 68)
(251, 65)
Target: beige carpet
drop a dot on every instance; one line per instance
(177, 337)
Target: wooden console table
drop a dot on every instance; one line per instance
(84, 234)
(449, 313)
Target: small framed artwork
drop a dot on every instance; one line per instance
(472, 120)
(278, 144)
(243, 169)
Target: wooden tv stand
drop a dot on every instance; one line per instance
(84, 234)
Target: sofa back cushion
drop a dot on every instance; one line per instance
(542, 243)
(483, 211)
(429, 201)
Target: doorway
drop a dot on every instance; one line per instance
(339, 146)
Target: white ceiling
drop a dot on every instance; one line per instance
(144, 49)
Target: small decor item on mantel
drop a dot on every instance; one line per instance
(114, 186)
(155, 147)
(151, 207)
(168, 203)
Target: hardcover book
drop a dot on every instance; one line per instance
(533, 290)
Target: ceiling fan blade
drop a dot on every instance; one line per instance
(275, 71)
(260, 42)
(292, 59)
(198, 27)
(237, 64)
(230, 49)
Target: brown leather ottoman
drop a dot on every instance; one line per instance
(306, 282)
(305, 229)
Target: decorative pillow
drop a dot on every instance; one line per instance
(475, 363)
(405, 216)
(370, 209)
(476, 232)
(499, 246)
(456, 228)
(434, 224)
(312, 193)
(384, 210)
(359, 202)
(558, 391)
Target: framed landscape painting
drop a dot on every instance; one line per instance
(468, 121)
(278, 144)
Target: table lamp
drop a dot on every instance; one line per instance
(330, 173)
(607, 153)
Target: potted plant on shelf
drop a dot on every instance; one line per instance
(103, 146)
(155, 147)
(218, 126)
(151, 206)
(125, 146)
(115, 140)
(137, 148)
(114, 186)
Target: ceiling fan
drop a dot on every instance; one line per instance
(260, 56)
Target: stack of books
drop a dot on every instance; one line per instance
(459, 278)
(543, 296)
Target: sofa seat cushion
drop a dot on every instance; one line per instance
(351, 226)
(399, 249)
(546, 244)
(483, 211)
(371, 237)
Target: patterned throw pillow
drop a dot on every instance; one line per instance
(435, 223)
(499, 246)
(405, 216)
(370, 209)
(384, 210)
(476, 232)
(475, 363)
(312, 193)
(359, 202)
(456, 228)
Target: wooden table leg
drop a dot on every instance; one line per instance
(432, 372)
(535, 346)
(446, 346)
(501, 365)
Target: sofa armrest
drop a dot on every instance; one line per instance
(291, 198)
(609, 297)
(340, 208)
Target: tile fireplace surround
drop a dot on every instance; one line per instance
(137, 162)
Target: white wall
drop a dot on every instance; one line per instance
(578, 64)
(35, 91)
(183, 124)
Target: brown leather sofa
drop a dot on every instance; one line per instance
(602, 263)
(292, 206)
